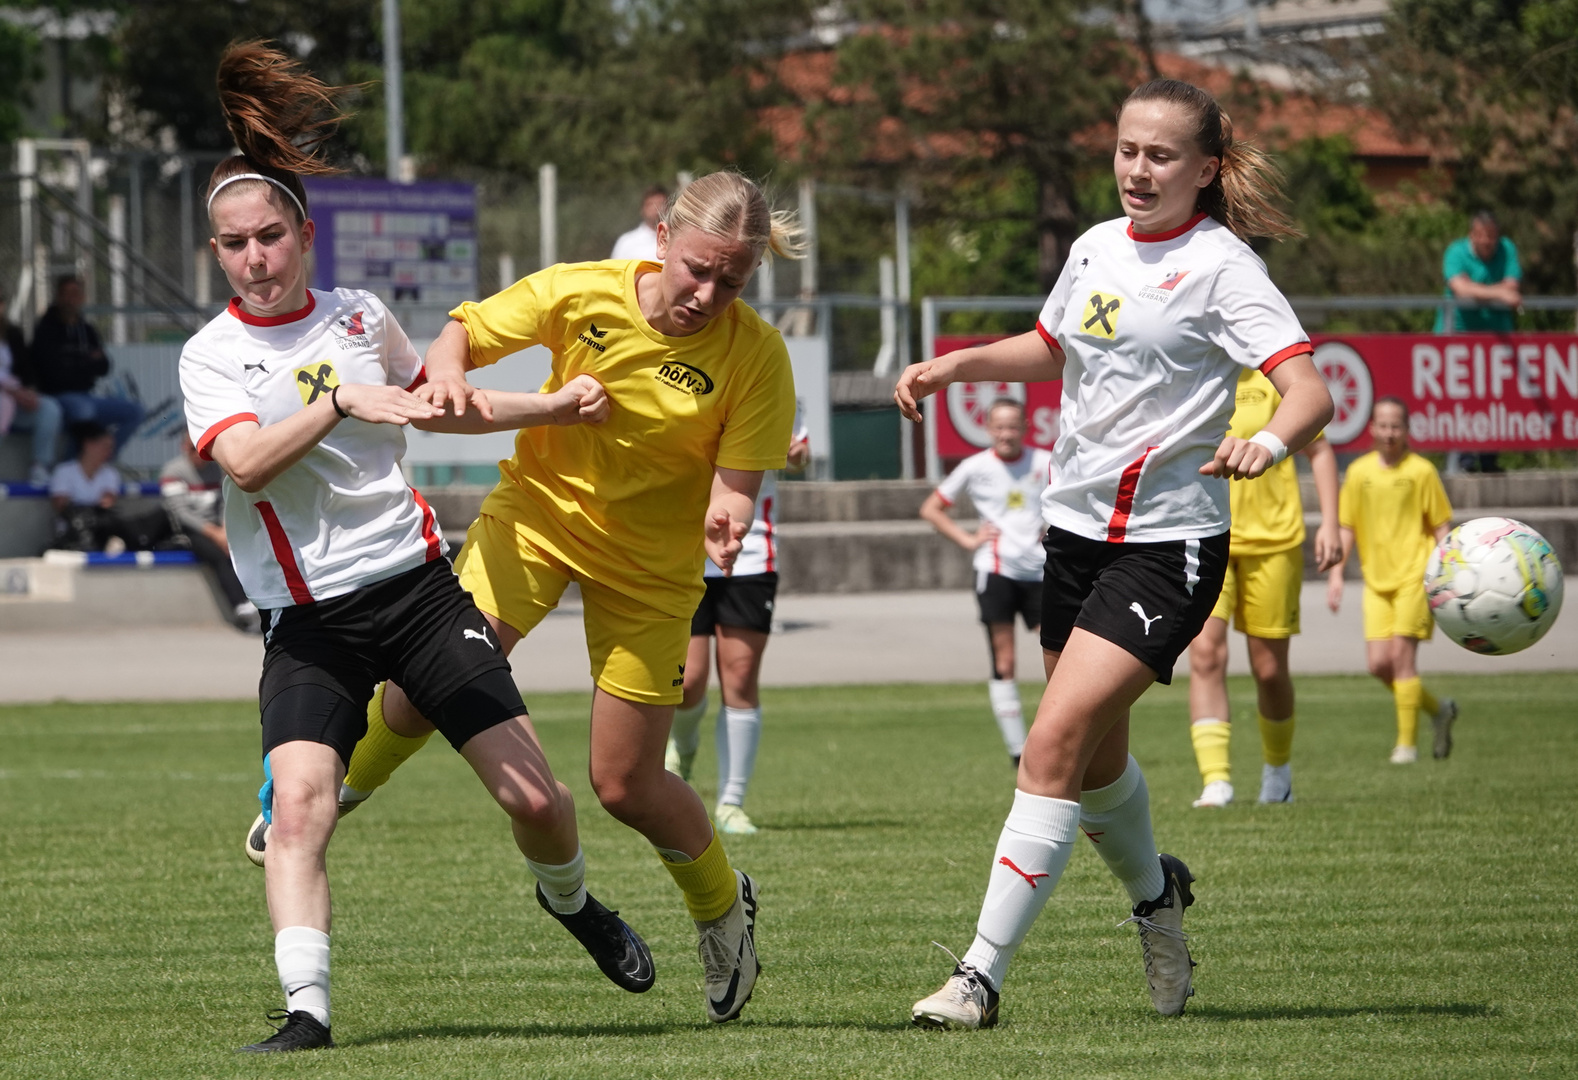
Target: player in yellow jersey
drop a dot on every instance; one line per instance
(1260, 596)
(702, 404)
(1395, 510)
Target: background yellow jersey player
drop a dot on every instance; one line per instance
(1394, 509)
(1260, 597)
(701, 403)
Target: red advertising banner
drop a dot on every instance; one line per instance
(1464, 392)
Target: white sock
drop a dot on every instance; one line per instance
(564, 885)
(302, 956)
(686, 729)
(1117, 818)
(1009, 712)
(1030, 856)
(739, 733)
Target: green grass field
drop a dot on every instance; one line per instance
(1394, 921)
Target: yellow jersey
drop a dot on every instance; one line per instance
(623, 502)
(1393, 512)
(1268, 514)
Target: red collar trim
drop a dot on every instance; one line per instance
(1170, 234)
(272, 320)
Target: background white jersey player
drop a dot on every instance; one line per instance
(734, 619)
(1005, 482)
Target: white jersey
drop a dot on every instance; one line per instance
(759, 549)
(1155, 329)
(1007, 494)
(639, 243)
(343, 516)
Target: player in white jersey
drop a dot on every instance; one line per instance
(1005, 483)
(300, 397)
(734, 619)
(1148, 326)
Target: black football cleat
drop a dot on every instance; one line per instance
(618, 950)
(300, 1031)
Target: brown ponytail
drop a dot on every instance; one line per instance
(1247, 191)
(279, 115)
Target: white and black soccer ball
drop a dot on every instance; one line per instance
(1494, 585)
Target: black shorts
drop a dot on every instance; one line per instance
(322, 661)
(1149, 599)
(1001, 598)
(744, 600)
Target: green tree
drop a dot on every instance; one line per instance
(19, 68)
(951, 96)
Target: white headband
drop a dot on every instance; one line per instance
(255, 176)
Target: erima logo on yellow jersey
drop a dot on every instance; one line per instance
(683, 377)
(315, 380)
(595, 339)
(1100, 317)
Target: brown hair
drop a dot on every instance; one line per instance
(1390, 399)
(728, 204)
(279, 115)
(1247, 190)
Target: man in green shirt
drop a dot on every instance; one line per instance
(1481, 268)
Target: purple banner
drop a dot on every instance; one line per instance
(408, 243)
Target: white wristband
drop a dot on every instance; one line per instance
(1278, 448)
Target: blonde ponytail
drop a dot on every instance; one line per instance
(728, 204)
(1246, 194)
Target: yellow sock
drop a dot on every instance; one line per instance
(1211, 738)
(1407, 692)
(1276, 740)
(381, 751)
(1427, 701)
(707, 882)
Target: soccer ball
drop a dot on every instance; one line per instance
(1495, 585)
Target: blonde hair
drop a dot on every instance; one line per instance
(1247, 191)
(728, 204)
(279, 116)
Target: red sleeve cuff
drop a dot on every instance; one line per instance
(1048, 338)
(945, 500)
(421, 377)
(1303, 348)
(205, 444)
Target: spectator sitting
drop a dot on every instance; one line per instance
(1479, 268)
(641, 241)
(191, 489)
(84, 492)
(68, 358)
(21, 405)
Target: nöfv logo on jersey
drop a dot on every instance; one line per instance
(684, 378)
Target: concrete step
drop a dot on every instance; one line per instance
(60, 592)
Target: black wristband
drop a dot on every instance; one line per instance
(334, 399)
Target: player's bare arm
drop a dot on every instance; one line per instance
(582, 400)
(1334, 575)
(447, 361)
(934, 511)
(1323, 467)
(1025, 358)
(1306, 408)
(729, 513)
(253, 456)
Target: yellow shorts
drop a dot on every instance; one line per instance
(637, 651)
(1261, 593)
(1404, 613)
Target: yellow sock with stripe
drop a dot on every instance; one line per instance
(1427, 701)
(1407, 693)
(707, 881)
(1276, 740)
(380, 752)
(1211, 738)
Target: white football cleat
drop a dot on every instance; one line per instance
(966, 1002)
(1405, 755)
(257, 841)
(1441, 722)
(1276, 783)
(1217, 794)
(1169, 970)
(728, 954)
(677, 763)
(733, 820)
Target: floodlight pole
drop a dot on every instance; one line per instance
(394, 96)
